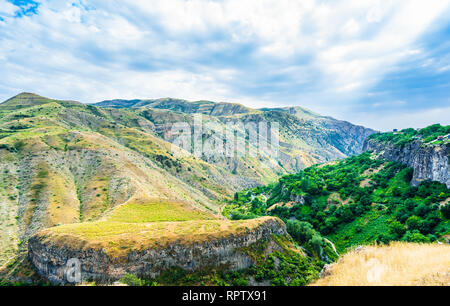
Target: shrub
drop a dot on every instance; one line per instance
(397, 229)
(446, 211)
(300, 231)
(414, 222)
(18, 145)
(131, 280)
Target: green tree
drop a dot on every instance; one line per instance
(414, 222)
(446, 211)
(397, 229)
(317, 243)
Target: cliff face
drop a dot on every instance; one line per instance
(430, 163)
(50, 259)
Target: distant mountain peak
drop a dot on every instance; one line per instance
(25, 98)
(26, 95)
(298, 111)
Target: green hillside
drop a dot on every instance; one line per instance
(68, 165)
(65, 162)
(433, 134)
(355, 201)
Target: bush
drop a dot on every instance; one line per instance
(131, 280)
(414, 222)
(446, 211)
(302, 232)
(397, 229)
(240, 282)
(415, 236)
(18, 145)
(385, 238)
(317, 242)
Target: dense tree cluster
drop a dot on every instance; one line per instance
(357, 200)
(406, 136)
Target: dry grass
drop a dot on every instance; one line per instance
(399, 264)
(369, 173)
(281, 204)
(445, 202)
(63, 203)
(372, 171)
(328, 164)
(118, 238)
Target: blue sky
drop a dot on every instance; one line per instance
(383, 64)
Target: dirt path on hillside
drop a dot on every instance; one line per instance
(332, 245)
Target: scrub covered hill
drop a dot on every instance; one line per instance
(65, 163)
(355, 201)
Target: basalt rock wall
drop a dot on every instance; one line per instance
(430, 163)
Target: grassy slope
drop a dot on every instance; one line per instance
(399, 264)
(157, 210)
(65, 162)
(140, 225)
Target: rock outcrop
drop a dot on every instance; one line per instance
(429, 162)
(298, 199)
(227, 252)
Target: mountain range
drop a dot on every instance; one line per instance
(65, 162)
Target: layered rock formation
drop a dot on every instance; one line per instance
(429, 162)
(225, 251)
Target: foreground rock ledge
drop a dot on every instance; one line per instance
(50, 257)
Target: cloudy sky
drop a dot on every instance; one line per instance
(380, 63)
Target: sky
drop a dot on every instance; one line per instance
(382, 64)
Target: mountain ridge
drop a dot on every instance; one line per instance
(64, 162)
(228, 111)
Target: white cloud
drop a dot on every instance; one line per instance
(337, 50)
(375, 13)
(351, 27)
(366, 61)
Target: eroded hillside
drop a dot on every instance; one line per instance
(64, 162)
(70, 166)
(306, 138)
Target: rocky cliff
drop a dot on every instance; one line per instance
(225, 251)
(429, 162)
